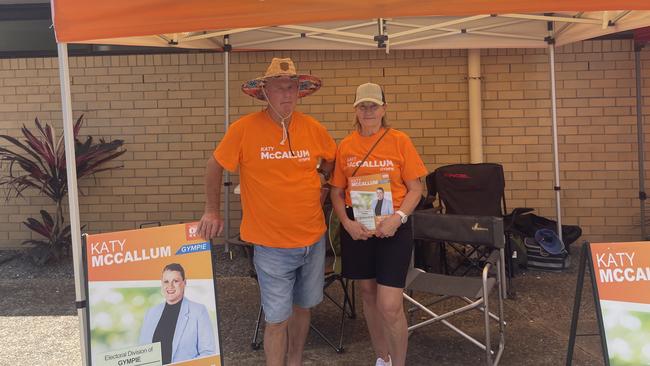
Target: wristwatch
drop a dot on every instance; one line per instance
(402, 216)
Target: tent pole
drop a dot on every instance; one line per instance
(475, 123)
(73, 198)
(226, 107)
(640, 137)
(556, 160)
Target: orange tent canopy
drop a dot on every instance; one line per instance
(83, 20)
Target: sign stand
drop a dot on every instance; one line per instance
(585, 256)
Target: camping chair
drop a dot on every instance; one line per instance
(472, 189)
(332, 276)
(485, 232)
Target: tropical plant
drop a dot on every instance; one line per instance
(39, 163)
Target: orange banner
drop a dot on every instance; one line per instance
(83, 20)
(622, 271)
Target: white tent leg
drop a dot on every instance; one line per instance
(556, 160)
(640, 138)
(73, 198)
(475, 115)
(226, 108)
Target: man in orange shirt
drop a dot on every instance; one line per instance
(278, 151)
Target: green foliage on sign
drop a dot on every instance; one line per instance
(117, 315)
(628, 332)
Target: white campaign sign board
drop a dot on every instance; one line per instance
(622, 273)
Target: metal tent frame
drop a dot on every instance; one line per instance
(509, 30)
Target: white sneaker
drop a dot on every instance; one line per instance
(381, 362)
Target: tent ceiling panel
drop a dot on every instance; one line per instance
(509, 30)
(618, 21)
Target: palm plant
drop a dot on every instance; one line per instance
(39, 163)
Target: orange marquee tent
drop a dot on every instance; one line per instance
(324, 24)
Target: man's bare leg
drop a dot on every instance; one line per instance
(275, 343)
(298, 330)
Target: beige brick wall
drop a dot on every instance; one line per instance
(169, 110)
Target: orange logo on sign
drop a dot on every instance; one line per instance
(192, 231)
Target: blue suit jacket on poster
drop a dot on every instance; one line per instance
(193, 337)
(386, 206)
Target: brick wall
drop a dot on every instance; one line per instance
(169, 110)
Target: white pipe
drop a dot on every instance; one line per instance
(348, 41)
(226, 108)
(327, 31)
(73, 197)
(549, 18)
(640, 137)
(439, 25)
(475, 113)
(197, 37)
(556, 160)
(619, 17)
(439, 35)
(294, 35)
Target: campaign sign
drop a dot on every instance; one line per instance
(152, 298)
(622, 273)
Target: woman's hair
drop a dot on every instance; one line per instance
(175, 267)
(384, 120)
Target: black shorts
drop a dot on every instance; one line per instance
(384, 259)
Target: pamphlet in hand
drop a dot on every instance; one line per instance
(372, 199)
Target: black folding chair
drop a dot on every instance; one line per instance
(472, 189)
(484, 232)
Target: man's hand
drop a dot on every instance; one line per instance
(211, 225)
(388, 226)
(356, 230)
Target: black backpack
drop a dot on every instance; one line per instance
(527, 223)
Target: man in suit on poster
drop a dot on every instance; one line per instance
(182, 326)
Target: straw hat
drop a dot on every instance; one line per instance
(282, 67)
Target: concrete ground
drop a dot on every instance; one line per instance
(38, 325)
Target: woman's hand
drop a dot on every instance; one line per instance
(388, 226)
(356, 230)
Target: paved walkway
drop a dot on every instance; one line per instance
(38, 326)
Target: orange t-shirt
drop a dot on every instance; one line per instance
(394, 154)
(280, 190)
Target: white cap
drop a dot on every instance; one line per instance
(369, 92)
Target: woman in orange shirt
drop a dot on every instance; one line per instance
(378, 258)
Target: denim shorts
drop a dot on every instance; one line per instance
(289, 276)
